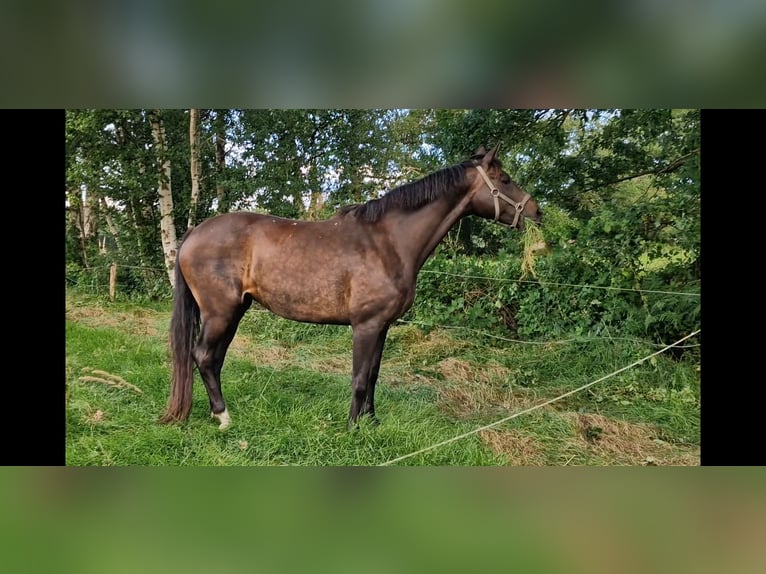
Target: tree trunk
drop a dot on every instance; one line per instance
(133, 214)
(315, 207)
(111, 225)
(167, 227)
(76, 216)
(220, 160)
(194, 141)
(89, 217)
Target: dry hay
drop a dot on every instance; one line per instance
(534, 243)
(336, 364)
(460, 371)
(283, 357)
(93, 417)
(517, 448)
(407, 335)
(470, 390)
(244, 348)
(108, 379)
(438, 343)
(321, 360)
(626, 443)
(421, 349)
(144, 322)
(139, 322)
(598, 439)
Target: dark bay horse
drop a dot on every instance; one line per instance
(357, 268)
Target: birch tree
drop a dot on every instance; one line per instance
(167, 227)
(194, 141)
(220, 159)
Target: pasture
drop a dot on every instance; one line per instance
(288, 388)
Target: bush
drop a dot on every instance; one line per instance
(603, 277)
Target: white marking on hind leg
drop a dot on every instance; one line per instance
(223, 417)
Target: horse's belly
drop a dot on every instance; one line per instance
(311, 303)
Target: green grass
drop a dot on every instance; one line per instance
(287, 389)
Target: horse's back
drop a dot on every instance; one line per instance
(227, 224)
(227, 236)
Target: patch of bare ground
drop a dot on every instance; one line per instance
(625, 443)
(518, 448)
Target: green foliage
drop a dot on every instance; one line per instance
(92, 280)
(467, 291)
(600, 277)
(620, 196)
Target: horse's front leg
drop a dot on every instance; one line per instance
(368, 339)
(368, 408)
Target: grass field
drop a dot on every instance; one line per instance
(287, 387)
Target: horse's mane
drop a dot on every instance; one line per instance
(449, 182)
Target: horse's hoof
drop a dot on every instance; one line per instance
(372, 421)
(224, 419)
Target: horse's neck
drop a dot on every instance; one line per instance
(417, 233)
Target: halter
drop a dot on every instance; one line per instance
(495, 193)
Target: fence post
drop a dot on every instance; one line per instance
(112, 280)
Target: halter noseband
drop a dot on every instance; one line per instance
(496, 196)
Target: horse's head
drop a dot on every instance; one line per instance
(494, 195)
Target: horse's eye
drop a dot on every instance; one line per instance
(505, 178)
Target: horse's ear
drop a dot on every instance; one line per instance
(490, 155)
(480, 151)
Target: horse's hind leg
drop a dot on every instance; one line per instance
(217, 333)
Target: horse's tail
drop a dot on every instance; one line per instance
(184, 330)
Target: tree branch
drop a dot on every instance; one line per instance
(678, 163)
(672, 166)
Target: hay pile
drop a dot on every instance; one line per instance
(534, 243)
